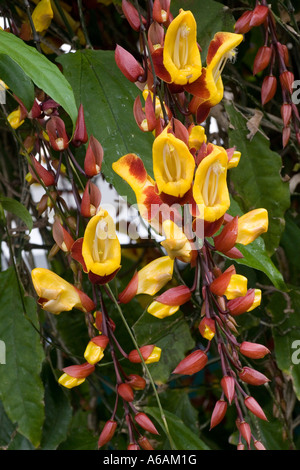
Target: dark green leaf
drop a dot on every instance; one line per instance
(107, 98)
(16, 208)
(42, 72)
(17, 81)
(24, 356)
(183, 437)
(256, 180)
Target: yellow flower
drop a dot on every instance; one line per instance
(237, 287)
(42, 15)
(176, 244)
(181, 55)
(154, 356)
(155, 275)
(173, 165)
(57, 295)
(14, 118)
(197, 137)
(210, 189)
(257, 300)
(70, 382)
(234, 161)
(251, 225)
(159, 310)
(101, 248)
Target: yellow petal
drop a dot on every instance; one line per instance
(42, 15)
(155, 275)
(237, 287)
(257, 300)
(93, 353)
(251, 225)
(176, 244)
(159, 310)
(154, 356)
(69, 382)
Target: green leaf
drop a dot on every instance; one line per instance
(256, 180)
(42, 72)
(17, 81)
(256, 256)
(183, 437)
(171, 334)
(211, 17)
(16, 208)
(21, 389)
(284, 311)
(107, 98)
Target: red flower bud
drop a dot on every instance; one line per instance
(175, 296)
(287, 79)
(136, 382)
(45, 175)
(242, 25)
(133, 447)
(240, 305)
(192, 363)
(286, 113)
(227, 238)
(219, 285)
(259, 446)
(252, 376)
(245, 431)
(262, 59)
(62, 238)
(56, 131)
(255, 408)
(93, 157)
(128, 65)
(161, 10)
(218, 413)
(228, 386)
(207, 328)
(126, 392)
(107, 433)
(268, 88)
(145, 351)
(145, 422)
(91, 199)
(253, 350)
(79, 371)
(35, 111)
(284, 52)
(130, 290)
(132, 15)
(259, 15)
(80, 134)
(101, 341)
(144, 443)
(286, 133)
(234, 253)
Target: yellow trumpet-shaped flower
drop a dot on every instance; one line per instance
(57, 295)
(155, 275)
(237, 287)
(251, 225)
(101, 248)
(70, 382)
(210, 189)
(173, 165)
(181, 55)
(15, 118)
(176, 243)
(159, 310)
(42, 15)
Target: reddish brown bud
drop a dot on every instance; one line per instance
(207, 328)
(145, 422)
(219, 285)
(253, 350)
(80, 134)
(259, 15)
(228, 386)
(287, 79)
(262, 59)
(101, 341)
(227, 238)
(286, 133)
(79, 371)
(255, 408)
(49, 106)
(242, 25)
(175, 296)
(45, 175)
(128, 65)
(259, 446)
(133, 447)
(241, 304)
(161, 10)
(145, 351)
(126, 392)
(132, 15)
(286, 113)
(252, 376)
(130, 290)
(93, 157)
(107, 433)
(35, 111)
(144, 443)
(90, 201)
(284, 52)
(56, 131)
(218, 413)
(234, 253)
(245, 431)
(192, 363)
(136, 382)
(268, 88)
(61, 236)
